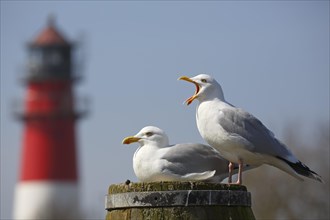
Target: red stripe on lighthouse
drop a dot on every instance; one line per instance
(49, 150)
(49, 137)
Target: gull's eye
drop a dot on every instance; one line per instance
(204, 80)
(148, 134)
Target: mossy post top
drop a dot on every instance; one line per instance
(175, 194)
(164, 186)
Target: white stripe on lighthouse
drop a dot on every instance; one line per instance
(46, 200)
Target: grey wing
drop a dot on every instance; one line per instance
(244, 125)
(194, 158)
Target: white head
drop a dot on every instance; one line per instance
(207, 88)
(149, 135)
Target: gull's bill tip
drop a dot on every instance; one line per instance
(186, 78)
(130, 139)
(191, 99)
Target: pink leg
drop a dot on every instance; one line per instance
(231, 167)
(240, 170)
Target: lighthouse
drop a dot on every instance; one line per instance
(48, 182)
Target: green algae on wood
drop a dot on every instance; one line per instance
(163, 186)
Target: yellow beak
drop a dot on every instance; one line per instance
(130, 139)
(191, 99)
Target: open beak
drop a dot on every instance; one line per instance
(130, 139)
(191, 99)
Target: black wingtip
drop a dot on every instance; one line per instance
(303, 170)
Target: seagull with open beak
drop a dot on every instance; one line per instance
(238, 135)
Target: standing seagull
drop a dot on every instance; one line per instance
(238, 135)
(156, 160)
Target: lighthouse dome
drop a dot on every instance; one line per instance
(49, 55)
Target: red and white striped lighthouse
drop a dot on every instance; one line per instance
(48, 182)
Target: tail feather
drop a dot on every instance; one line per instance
(302, 169)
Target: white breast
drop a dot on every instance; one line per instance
(146, 163)
(208, 115)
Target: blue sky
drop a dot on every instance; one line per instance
(271, 58)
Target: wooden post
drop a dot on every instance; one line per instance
(178, 200)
